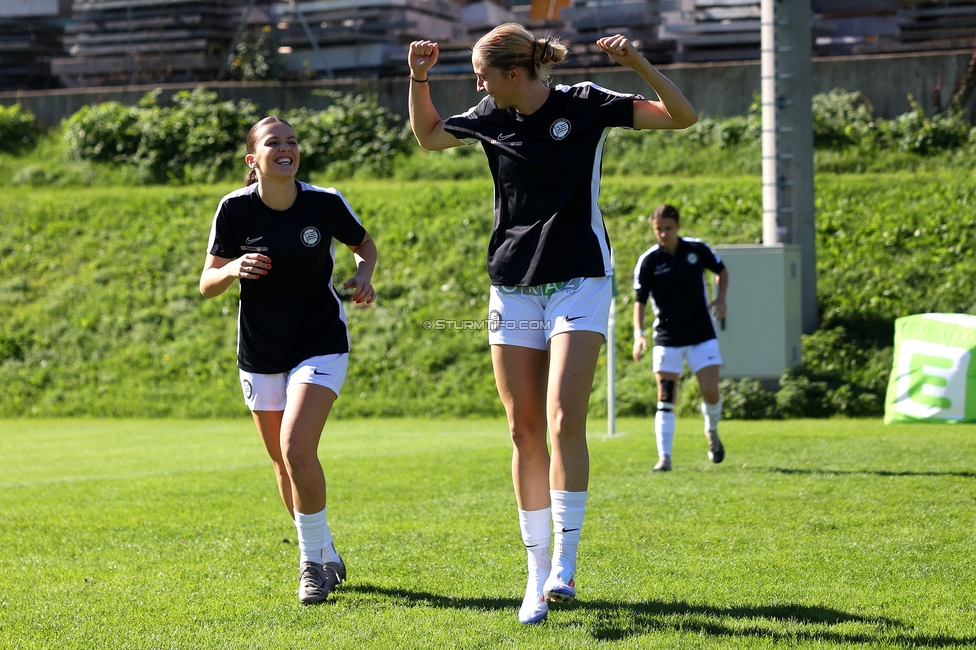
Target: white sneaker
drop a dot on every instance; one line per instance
(559, 589)
(534, 609)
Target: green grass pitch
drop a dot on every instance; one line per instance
(169, 534)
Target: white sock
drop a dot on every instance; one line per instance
(712, 413)
(315, 538)
(568, 511)
(664, 432)
(534, 525)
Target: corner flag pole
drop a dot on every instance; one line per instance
(612, 352)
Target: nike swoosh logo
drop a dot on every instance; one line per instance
(570, 320)
(316, 372)
(503, 137)
(251, 241)
(569, 530)
(533, 546)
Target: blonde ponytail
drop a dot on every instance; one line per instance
(549, 51)
(512, 46)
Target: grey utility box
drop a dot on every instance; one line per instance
(760, 334)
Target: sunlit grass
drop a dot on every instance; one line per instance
(169, 534)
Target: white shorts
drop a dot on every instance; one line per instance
(269, 392)
(529, 316)
(699, 356)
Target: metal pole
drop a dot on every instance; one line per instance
(612, 354)
(237, 38)
(787, 139)
(771, 234)
(311, 39)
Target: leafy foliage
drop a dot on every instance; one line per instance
(841, 119)
(919, 133)
(353, 135)
(747, 399)
(255, 56)
(103, 132)
(19, 129)
(198, 138)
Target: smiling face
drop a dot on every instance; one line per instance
(498, 83)
(275, 151)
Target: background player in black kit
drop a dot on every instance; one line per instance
(548, 260)
(672, 274)
(277, 235)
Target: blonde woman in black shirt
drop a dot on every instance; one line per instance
(548, 261)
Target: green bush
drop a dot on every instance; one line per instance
(800, 396)
(842, 119)
(197, 138)
(839, 376)
(200, 139)
(103, 132)
(255, 56)
(353, 135)
(19, 130)
(916, 132)
(747, 399)
(723, 133)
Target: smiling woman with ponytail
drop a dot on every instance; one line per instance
(293, 345)
(548, 261)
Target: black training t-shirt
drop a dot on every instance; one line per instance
(293, 313)
(546, 167)
(679, 296)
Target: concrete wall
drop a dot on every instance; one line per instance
(715, 89)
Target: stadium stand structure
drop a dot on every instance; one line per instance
(363, 37)
(112, 42)
(30, 36)
(892, 26)
(931, 25)
(844, 26)
(83, 43)
(638, 20)
(715, 30)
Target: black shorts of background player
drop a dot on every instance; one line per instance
(548, 260)
(672, 275)
(276, 236)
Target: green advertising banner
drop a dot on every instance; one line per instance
(933, 377)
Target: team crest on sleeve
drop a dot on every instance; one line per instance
(311, 236)
(692, 258)
(560, 128)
